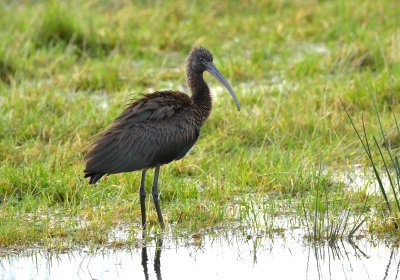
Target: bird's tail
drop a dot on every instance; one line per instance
(94, 177)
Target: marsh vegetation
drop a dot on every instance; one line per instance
(66, 70)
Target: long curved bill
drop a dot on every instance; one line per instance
(210, 67)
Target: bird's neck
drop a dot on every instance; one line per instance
(200, 94)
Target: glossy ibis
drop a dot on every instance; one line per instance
(156, 129)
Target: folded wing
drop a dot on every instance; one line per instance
(158, 128)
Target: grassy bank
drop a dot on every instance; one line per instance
(67, 70)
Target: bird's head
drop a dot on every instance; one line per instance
(197, 59)
(200, 60)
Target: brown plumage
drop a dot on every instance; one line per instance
(156, 129)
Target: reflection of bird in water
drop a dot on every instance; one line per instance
(156, 129)
(157, 263)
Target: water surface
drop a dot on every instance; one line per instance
(207, 257)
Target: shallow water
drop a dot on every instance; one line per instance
(230, 257)
(359, 178)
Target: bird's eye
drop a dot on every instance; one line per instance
(202, 59)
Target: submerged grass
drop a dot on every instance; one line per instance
(329, 215)
(66, 70)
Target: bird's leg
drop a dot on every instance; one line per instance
(154, 193)
(142, 195)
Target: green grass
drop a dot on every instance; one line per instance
(390, 170)
(67, 70)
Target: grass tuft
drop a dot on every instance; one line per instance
(8, 67)
(60, 26)
(392, 171)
